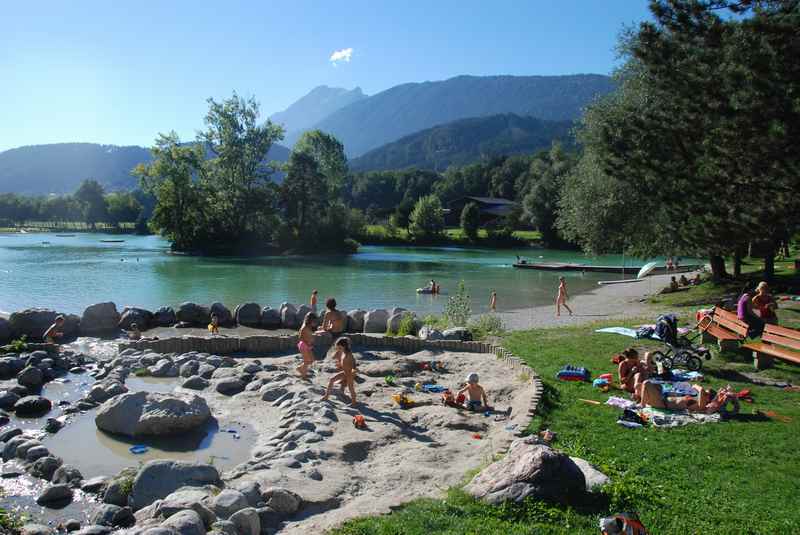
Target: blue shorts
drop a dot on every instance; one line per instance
(474, 405)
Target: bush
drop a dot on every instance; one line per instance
(427, 218)
(20, 344)
(488, 325)
(457, 310)
(470, 221)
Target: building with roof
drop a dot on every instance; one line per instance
(491, 209)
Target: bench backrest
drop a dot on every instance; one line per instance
(781, 336)
(730, 321)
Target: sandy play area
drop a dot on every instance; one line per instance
(311, 446)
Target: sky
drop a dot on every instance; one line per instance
(121, 72)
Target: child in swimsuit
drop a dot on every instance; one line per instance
(306, 343)
(55, 331)
(475, 395)
(213, 327)
(347, 375)
(135, 333)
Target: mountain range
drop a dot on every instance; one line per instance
(428, 124)
(465, 141)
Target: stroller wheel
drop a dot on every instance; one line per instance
(664, 360)
(694, 363)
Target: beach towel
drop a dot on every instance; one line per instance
(624, 331)
(665, 418)
(686, 376)
(620, 403)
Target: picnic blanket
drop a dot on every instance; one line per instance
(634, 333)
(665, 418)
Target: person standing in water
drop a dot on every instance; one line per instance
(493, 301)
(561, 298)
(313, 301)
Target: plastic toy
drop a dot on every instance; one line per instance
(403, 400)
(573, 373)
(359, 422)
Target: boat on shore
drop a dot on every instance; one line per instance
(588, 268)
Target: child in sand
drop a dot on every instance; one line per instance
(213, 327)
(306, 343)
(135, 333)
(347, 363)
(475, 395)
(55, 331)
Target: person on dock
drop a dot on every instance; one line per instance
(55, 331)
(334, 321)
(306, 344)
(474, 394)
(346, 362)
(493, 301)
(213, 327)
(313, 301)
(561, 298)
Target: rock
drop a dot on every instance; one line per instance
(7, 399)
(224, 527)
(95, 530)
(248, 314)
(36, 453)
(163, 368)
(206, 370)
(375, 321)
(282, 500)
(270, 318)
(95, 485)
(224, 373)
(270, 519)
(148, 413)
(25, 445)
(117, 492)
(230, 386)
(528, 469)
(189, 368)
(457, 333)
(251, 368)
(186, 522)
(31, 378)
(72, 525)
(228, 502)
(67, 475)
(355, 321)
(53, 425)
(33, 323)
(289, 318)
(112, 516)
(429, 333)
(594, 477)
(247, 521)
(193, 314)
(100, 318)
(5, 331)
(252, 492)
(44, 467)
(5, 436)
(164, 317)
(32, 406)
(185, 498)
(302, 310)
(55, 494)
(141, 317)
(19, 390)
(272, 392)
(36, 529)
(223, 314)
(158, 479)
(159, 531)
(10, 447)
(195, 383)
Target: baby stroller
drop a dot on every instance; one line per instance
(679, 350)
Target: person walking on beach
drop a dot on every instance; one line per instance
(313, 302)
(493, 302)
(306, 344)
(561, 298)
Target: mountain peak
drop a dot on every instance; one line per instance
(315, 106)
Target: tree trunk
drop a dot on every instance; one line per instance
(737, 264)
(769, 266)
(718, 271)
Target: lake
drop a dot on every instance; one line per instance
(70, 273)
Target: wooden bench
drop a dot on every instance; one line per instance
(776, 343)
(724, 327)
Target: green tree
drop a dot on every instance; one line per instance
(540, 204)
(304, 194)
(471, 220)
(122, 208)
(427, 218)
(92, 196)
(328, 152)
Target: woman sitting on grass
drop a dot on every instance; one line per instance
(632, 371)
(707, 400)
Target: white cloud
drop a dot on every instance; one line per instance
(341, 55)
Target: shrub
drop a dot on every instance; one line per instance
(20, 344)
(470, 221)
(488, 325)
(407, 325)
(457, 310)
(427, 218)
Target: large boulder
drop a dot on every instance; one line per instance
(223, 314)
(595, 479)
(33, 322)
(158, 479)
(148, 413)
(32, 406)
(457, 333)
(164, 317)
(10, 366)
(270, 318)
(528, 469)
(289, 318)
(7, 399)
(198, 499)
(31, 378)
(375, 321)
(247, 521)
(300, 315)
(186, 522)
(228, 502)
(248, 314)
(5, 331)
(230, 386)
(355, 321)
(193, 314)
(282, 500)
(112, 515)
(55, 494)
(100, 318)
(141, 317)
(429, 333)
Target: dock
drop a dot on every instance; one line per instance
(588, 268)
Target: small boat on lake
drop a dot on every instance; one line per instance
(112, 241)
(65, 235)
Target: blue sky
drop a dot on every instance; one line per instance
(120, 72)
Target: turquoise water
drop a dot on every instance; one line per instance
(70, 273)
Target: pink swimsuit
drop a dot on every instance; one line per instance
(303, 346)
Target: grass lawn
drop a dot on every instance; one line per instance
(735, 477)
(454, 236)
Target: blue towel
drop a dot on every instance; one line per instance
(434, 389)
